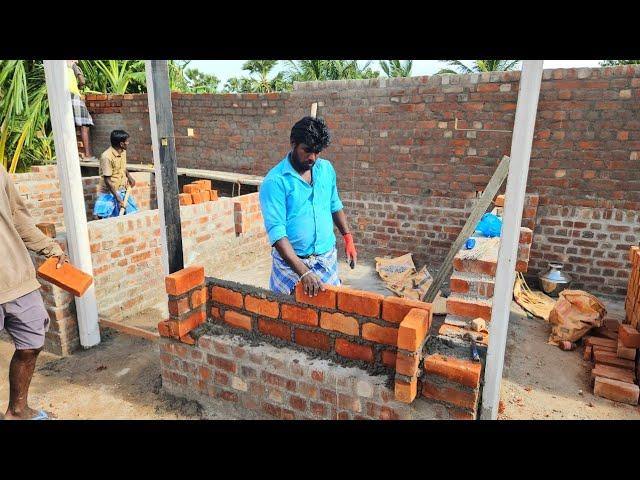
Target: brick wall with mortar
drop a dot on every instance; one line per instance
(63, 337)
(584, 158)
(294, 356)
(126, 250)
(40, 190)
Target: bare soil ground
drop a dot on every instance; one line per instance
(540, 381)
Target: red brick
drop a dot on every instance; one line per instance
(629, 336)
(625, 352)
(213, 195)
(215, 312)
(261, 306)
(456, 414)
(359, 302)
(180, 328)
(413, 329)
(191, 188)
(317, 375)
(188, 339)
(300, 315)
(164, 329)
(354, 350)
(389, 358)
(339, 323)
(237, 319)
(407, 364)
(394, 309)
(615, 373)
(49, 229)
(464, 372)
(199, 297)
(226, 296)
(459, 398)
(205, 184)
(185, 199)
(475, 266)
(499, 201)
(588, 352)
(319, 341)
(406, 392)
(274, 329)
(468, 308)
(196, 197)
(318, 409)
(298, 403)
(178, 307)
(458, 285)
(378, 334)
(184, 280)
(458, 332)
(326, 299)
(228, 396)
(68, 277)
(616, 390)
(600, 342)
(610, 358)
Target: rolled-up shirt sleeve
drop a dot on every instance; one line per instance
(274, 209)
(336, 203)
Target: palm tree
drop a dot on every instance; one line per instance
(479, 66)
(310, 70)
(117, 76)
(613, 63)
(24, 110)
(393, 68)
(199, 82)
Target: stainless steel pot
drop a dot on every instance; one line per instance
(554, 280)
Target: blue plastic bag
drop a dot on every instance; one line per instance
(490, 225)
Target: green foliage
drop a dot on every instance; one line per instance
(479, 66)
(258, 80)
(311, 70)
(614, 63)
(25, 130)
(395, 68)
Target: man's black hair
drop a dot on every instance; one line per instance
(118, 136)
(313, 132)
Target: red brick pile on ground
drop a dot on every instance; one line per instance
(614, 349)
(198, 192)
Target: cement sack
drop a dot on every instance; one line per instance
(402, 278)
(574, 314)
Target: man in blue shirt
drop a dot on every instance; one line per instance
(300, 205)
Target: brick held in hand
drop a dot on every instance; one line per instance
(49, 229)
(68, 277)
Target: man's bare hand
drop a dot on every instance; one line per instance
(61, 259)
(312, 284)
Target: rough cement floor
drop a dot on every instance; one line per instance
(540, 381)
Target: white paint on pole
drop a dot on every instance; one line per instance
(75, 217)
(521, 142)
(155, 147)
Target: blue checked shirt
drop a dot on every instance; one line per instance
(301, 212)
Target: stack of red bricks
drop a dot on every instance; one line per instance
(613, 348)
(198, 192)
(632, 303)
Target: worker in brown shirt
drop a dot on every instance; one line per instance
(22, 311)
(115, 179)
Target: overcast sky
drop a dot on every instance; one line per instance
(223, 69)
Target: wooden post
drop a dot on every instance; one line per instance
(75, 217)
(469, 227)
(165, 163)
(508, 253)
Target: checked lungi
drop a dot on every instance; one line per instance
(81, 115)
(284, 279)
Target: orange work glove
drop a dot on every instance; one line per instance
(350, 249)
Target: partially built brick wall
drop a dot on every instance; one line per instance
(344, 354)
(126, 251)
(40, 191)
(408, 171)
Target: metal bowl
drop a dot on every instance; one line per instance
(554, 280)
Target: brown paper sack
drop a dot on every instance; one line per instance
(574, 314)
